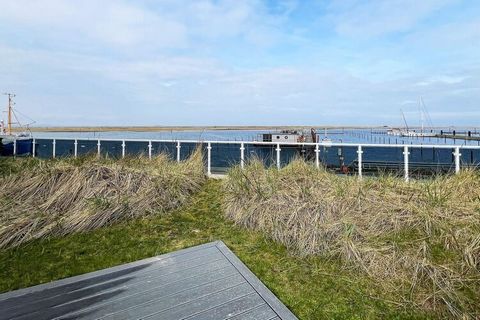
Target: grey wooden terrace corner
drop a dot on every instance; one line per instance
(202, 282)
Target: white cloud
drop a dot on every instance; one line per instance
(375, 18)
(166, 24)
(185, 90)
(459, 36)
(175, 62)
(107, 22)
(443, 79)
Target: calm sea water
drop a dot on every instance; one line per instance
(337, 135)
(223, 156)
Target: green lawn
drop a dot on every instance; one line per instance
(313, 288)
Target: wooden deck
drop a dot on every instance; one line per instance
(203, 282)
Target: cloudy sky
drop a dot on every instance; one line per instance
(231, 62)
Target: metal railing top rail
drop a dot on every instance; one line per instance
(320, 144)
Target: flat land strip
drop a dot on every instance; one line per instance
(179, 128)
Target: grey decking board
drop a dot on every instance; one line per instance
(104, 287)
(86, 276)
(259, 312)
(128, 295)
(204, 303)
(181, 298)
(230, 308)
(153, 298)
(7, 301)
(280, 309)
(203, 282)
(134, 288)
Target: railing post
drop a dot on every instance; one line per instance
(54, 144)
(360, 165)
(123, 148)
(15, 146)
(278, 155)
(98, 147)
(75, 148)
(405, 162)
(33, 148)
(317, 155)
(242, 155)
(457, 155)
(178, 151)
(209, 155)
(150, 149)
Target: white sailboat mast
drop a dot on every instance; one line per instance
(422, 114)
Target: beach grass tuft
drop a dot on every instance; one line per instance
(419, 241)
(59, 197)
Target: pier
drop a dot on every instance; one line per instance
(458, 137)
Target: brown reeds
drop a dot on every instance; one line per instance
(419, 241)
(66, 196)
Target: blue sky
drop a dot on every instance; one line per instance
(202, 62)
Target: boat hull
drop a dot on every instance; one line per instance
(23, 146)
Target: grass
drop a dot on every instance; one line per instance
(312, 287)
(419, 241)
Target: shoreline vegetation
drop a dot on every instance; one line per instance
(60, 197)
(418, 240)
(312, 287)
(327, 246)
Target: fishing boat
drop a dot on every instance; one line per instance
(14, 142)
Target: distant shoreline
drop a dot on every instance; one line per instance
(184, 128)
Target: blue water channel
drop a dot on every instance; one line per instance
(224, 155)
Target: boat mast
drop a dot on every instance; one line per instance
(426, 114)
(9, 124)
(404, 120)
(422, 115)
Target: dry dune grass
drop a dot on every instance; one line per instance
(67, 196)
(419, 241)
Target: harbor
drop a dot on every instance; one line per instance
(341, 157)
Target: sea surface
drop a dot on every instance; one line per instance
(336, 135)
(340, 158)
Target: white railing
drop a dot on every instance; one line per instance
(178, 144)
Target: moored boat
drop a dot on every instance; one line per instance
(18, 142)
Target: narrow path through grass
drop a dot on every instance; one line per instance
(312, 288)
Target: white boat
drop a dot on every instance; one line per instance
(408, 132)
